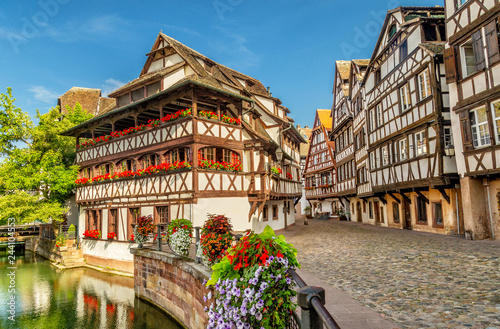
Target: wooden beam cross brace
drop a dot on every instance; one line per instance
(405, 197)
(381, 197)
(422, 196)
(444, 194)
(394, 197)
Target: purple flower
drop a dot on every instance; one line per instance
(260, 304)
(288, 281)
(248, 292)
(264, 285)
(253, 281)
(243, 310)
(258, 316)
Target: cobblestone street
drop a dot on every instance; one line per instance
(417, 280)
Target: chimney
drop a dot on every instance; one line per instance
(306, 127)
(298, 126)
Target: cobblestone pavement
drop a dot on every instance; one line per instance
(418, 280)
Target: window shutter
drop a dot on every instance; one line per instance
(478, 48)
(450, 64)
(466, 131)
(492, 42)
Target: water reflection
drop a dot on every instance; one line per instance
(48, 298)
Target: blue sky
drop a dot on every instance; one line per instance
(49, 46)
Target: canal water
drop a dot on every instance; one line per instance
(47, 298)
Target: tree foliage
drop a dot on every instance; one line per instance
(37, 173)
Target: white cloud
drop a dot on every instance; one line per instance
(43, 94)
(111, 85)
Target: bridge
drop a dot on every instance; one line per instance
(22, 232)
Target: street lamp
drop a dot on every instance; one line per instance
(449, 150)
(279, 154)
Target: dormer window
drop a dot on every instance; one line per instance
(392, 31)
(208, 67)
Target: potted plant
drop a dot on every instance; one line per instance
(143, 227)
(342, 214)
(111, 235)
(180, 234)
(251, 284)
(307, 211)
(215, 239)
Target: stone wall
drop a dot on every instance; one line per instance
(46, 248)
(173, 284)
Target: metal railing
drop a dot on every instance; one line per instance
(311, 301)
(47, 231)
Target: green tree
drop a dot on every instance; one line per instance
(37, 174)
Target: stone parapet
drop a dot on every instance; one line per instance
(173, 284)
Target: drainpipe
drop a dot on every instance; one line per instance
(487, 183)
(458, 213)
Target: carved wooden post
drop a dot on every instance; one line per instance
(194, 103)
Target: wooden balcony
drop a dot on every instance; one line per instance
(321, 192)
(159, 135)
(184, 183)
(281, 187)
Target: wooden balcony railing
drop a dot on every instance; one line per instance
(161, 134)
(283, 186)
(320, 191)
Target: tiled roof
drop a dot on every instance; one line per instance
(87, 97)
(148, 76)
(106, 105)
(362, 64)
(344, 69)
(325, 119)
(433, 48)
(304, 147)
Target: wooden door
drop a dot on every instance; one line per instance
(358, 210)
(406, 215)
(377, 213)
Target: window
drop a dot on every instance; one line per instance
(421, 143)
(207, 153)
(430, 32)
(378, 76)
(437, 212)
(113, 221)
(106, 168)
(373, 160)
(402, 149)
(424, 83)
(127, 164)
(468, 62)
(93, 220)
(150, 160)
(495, 111)
(479, 125)
(382, 219)
(275, 212)
(395, 212)
(132, 215)
(87, 173)
(162, 214)
(179, 154)
(392, 31)
(403, 51)
(370, 209)
(380, 116)
(460, 3)
(404, 94)
(421, 210)
(448, 137)
(265, 212)
(385, 156)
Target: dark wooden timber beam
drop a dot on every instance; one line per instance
(405, 197)
(346, 199)
(422, 196)
(394, 197)
(381, 197)
(444, 194)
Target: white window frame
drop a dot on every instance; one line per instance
(422, 148)
(385, 155)
(380, 116)
(476, 128)
(405, 97)
(467, 59)
(424, 84)
(496, 119)
(373, 160)
(403, 149)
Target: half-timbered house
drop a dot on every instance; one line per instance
(304, 151)
(188, 137)
(409, 124)
(343, 138)
(319, 173)
(360, 211)
(472, 60)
